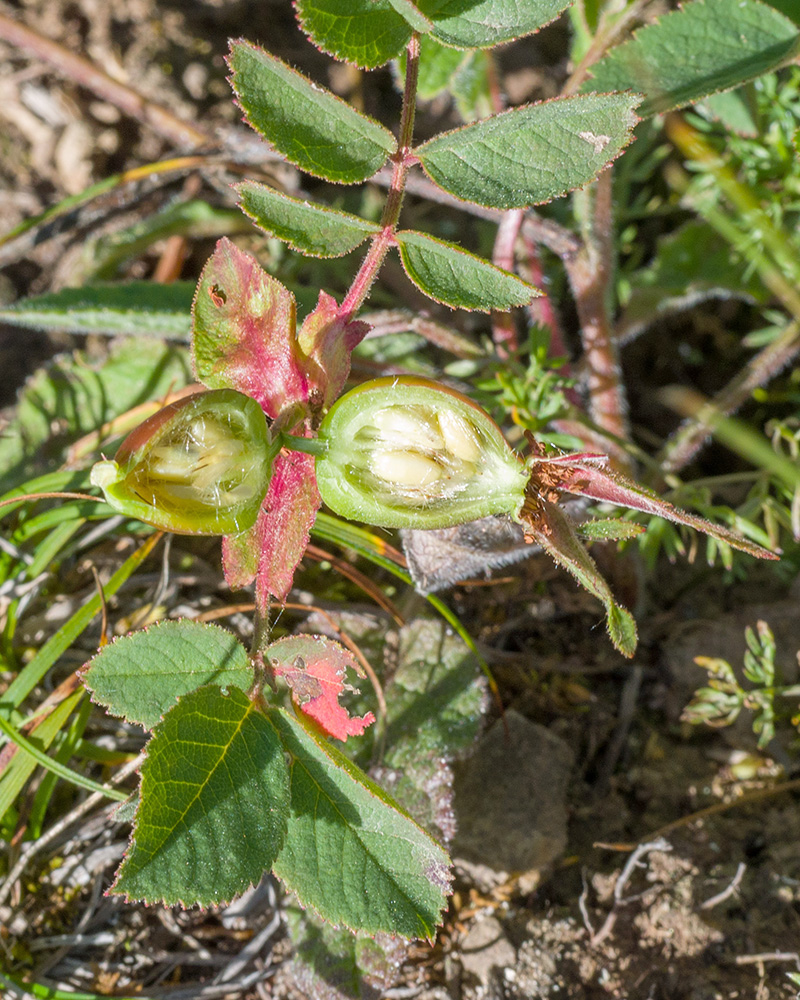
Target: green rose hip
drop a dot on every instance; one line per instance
(200, 466)
(408, 453)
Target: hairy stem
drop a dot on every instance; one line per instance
(590, 274)
(402, 161)
(504, 332)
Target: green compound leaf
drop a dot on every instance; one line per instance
(308, 228)
(705, 47)
(371, 32)
(459, 279)
(350, 853)
(312, 127)
(214, 802)
(367, 33)
(136, 308)
(482, 24)
(142, 675)
(531, 154)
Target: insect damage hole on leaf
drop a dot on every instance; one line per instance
(218, 295)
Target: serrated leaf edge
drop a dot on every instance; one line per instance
(503, 41)
(370, 228)
(320, 89)
(633, 121)
(95, 699)
(301, 21)
(113, 891)
(654, 24)
(537, 292)
(356, 774)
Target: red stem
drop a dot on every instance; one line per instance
(402, 161)
(590, 274)
(504, 332)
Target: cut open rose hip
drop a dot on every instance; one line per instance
(200, 466)
(406, 452)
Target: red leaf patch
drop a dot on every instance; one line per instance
(244, 331)
(314, 668)
(326, 345)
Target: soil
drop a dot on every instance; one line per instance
(712, 907)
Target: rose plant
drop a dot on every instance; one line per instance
(235, 783)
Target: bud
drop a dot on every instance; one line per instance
(409, 453)
(200, 466)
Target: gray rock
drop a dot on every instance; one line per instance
(510, 798)
(486, 949)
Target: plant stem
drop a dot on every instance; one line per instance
(589, 274)
(402, 161)
(504, 332)
(311, 446)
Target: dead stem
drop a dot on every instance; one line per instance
(83, 72)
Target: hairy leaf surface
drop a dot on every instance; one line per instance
(531, 154)
(705, 47)
(590, 476)
(469, 24)
(135, 308)
(140, 676)
(244, 331)
(457, 278)
(553, 530)
(350, 853)
(283, 526)
(311, 126)
(367, 33)
(326, 345)
(214, 802)
(308, 228)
